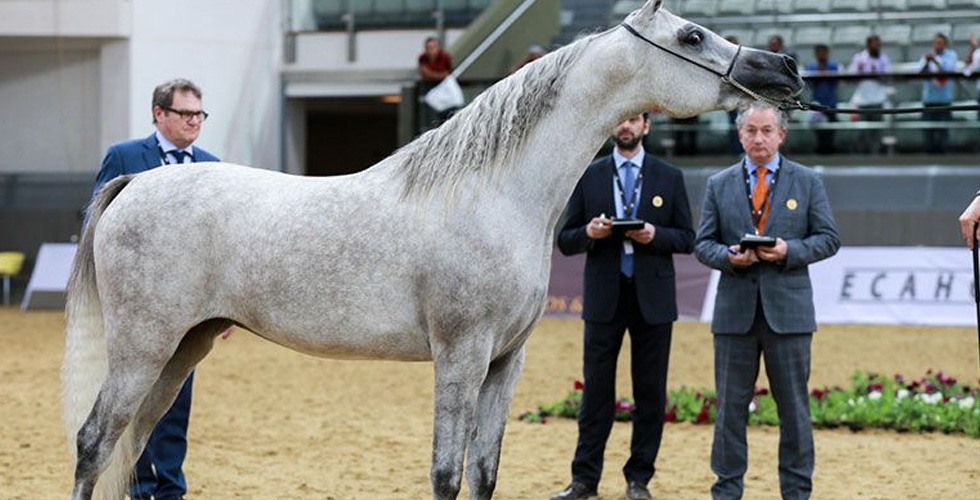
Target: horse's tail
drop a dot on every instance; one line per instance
(85, 364)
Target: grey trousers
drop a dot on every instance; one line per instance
(787, 360)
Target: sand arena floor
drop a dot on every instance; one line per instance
(269, 423)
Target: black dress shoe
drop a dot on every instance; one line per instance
(637, 491)
(576, 491)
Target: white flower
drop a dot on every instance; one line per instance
(930, 399)
(850, 402)
(966, 402)
(902, 394)
(752, 406)
(874, 395)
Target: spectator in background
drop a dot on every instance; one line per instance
(870, 92)
(534, 53)
(777, 46)
(824, 92)
(973, 63)
(937, 92)
(434, 66)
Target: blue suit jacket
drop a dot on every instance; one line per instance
(653, 264)
(135, 156)
(800, 215)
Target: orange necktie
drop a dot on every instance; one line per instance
(760, 209)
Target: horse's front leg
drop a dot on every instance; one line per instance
(493, 407)
(459, 373)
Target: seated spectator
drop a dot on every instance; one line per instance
(937, 92)
(824, 92)
(870, 92)
(776, 45)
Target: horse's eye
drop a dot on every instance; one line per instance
(694, 38)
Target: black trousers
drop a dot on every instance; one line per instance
(650, 353)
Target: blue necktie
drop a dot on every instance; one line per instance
(629, 184)
(176, 156)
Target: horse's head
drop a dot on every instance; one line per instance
(705, 71)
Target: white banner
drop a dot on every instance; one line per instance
(888, 286)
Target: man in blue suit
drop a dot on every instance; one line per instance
(629, 284)
(764, 304)
(177, 115)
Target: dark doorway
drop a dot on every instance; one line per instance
(347, 135)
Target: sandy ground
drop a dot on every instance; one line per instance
(273, 424)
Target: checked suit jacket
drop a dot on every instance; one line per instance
(653, 264)
(800, 215)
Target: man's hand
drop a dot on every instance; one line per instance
(642, 236)
(773, 254)
(968, 219)
(742, 259)
(599, 228)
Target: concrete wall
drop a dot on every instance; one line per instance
(231, 49)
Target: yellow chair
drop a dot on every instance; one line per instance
(10, 263)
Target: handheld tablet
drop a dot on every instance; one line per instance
(756, 241)
(620, 226)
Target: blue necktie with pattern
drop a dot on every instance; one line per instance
(629, 184)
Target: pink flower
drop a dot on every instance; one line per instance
(579, 385)
(671, 415)
(818, 394)
(761, 391)
(875, 387)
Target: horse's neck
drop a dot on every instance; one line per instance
(565, 141)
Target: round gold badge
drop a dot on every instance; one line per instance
(658, 201)
(791, 204)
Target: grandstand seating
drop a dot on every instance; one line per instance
(773, 7)
(395, 13)
(736, 7)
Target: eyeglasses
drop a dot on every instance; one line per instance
(188, 115)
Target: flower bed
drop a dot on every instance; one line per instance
(934, 402)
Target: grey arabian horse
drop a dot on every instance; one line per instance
(440, 252)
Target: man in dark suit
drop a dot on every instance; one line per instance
(629, 284)
(764, 303)
(177, 115)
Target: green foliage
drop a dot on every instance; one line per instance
(932, 403)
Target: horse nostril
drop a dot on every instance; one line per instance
(790, 64)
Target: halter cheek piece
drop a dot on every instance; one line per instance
(788, 104)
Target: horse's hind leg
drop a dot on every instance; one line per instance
(459, 370)
(122, 392)
(493, 407)
(135, 391)
(193, 348)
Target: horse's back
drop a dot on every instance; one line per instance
(294, 259)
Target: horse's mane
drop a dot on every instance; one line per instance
(490, 130)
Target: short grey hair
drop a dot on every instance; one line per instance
(163, 95)
(782, 118)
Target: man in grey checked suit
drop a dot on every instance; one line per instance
(764, 303)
